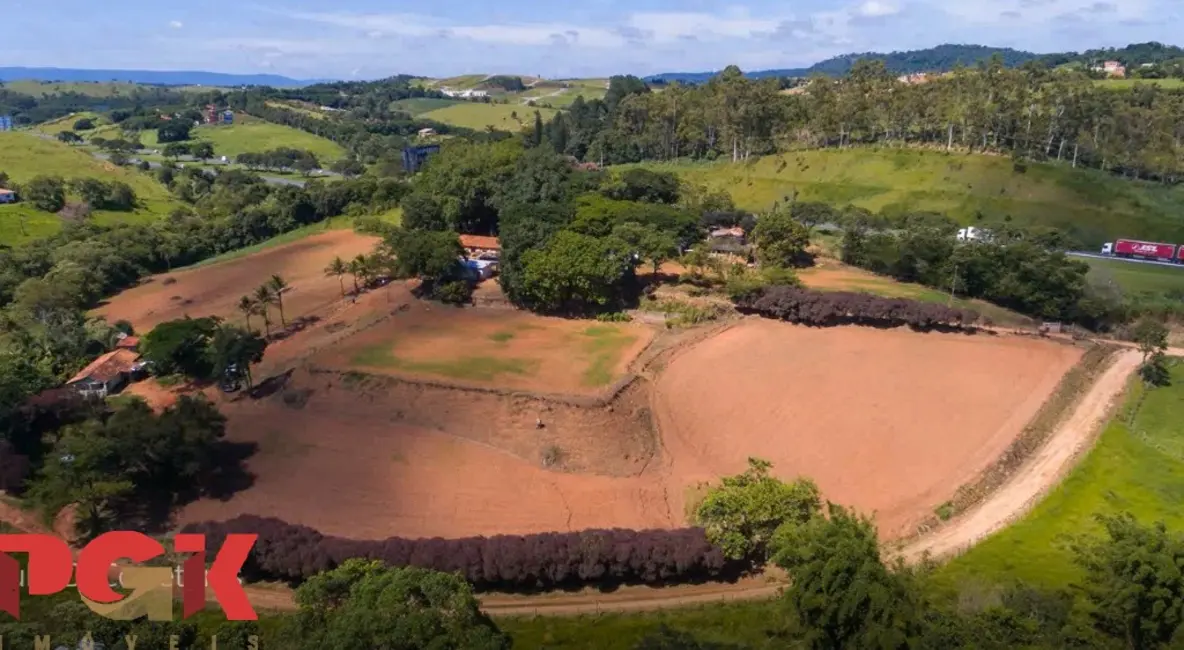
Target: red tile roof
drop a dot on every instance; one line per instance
(128, 342)
(4, 191)
(107, 367)
(480, 241)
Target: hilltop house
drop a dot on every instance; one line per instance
(1112, 69)
(427, 132)
(7, 196)
(480, 246)
(106, 375)
(464, 94)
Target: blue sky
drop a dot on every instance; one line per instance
(377, 38)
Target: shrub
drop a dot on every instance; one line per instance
(456, 292)
(502, 562)
(827, 309)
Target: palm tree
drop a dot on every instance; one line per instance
(263, 299)
(248, 307)
(356, 268)
(278, 286)
(338, 268)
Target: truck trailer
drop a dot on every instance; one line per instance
(1158, 251)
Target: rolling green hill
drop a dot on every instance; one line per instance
(24, 156)
(417, 106)
(254, 136)
(91, 89)
(67, 123)
(1094, 206)
(478, 116)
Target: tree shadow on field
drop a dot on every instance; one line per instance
(154, 511)
(270, 386)
(295, 327)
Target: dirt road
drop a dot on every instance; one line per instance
(1028, 485)
(1039, 474)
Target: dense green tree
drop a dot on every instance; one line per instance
(427, 254)
(575, 273)
(842, 594)
(69, 137)
(1134, 581)
(91, 190)
(84, 124)
(177, 149)
(46, 193)
(648, 242)
(130, 458)
(811, 214)
(467, 179)
(597, 216)
(181, 346)
(780, 240)
(233, 347)
(742, 513)
(362, 604)
(639, 184)
(173, 131)
(203, 150)
(348, 167)
(423, 211)
(525, 227)
(1152, 336)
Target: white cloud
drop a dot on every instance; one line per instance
(1035, 12)
(529, 34)
(176, 24)
(664, 27)
(877, 8)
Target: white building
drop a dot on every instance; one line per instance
(464, 94)
(970, 233)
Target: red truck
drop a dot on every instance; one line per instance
(1142, 249)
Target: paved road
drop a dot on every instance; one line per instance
(1099, 256)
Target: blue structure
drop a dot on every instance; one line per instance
(415, 157)
(5, 122)
(228, 117)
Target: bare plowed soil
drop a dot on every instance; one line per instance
(887, 421)
(214, 290)
(501, 348)
(371, 462)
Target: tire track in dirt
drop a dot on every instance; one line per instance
(1072, 438)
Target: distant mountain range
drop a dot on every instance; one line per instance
(155, 77)
(944, 58)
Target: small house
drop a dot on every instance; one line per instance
(735, 233)
(128, 343)
(7, 196)
(481, 246)
(106, 375)
(427, 132)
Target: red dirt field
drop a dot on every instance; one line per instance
(508, 349)
(216, 289)
(348, 463)
(888, 421)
